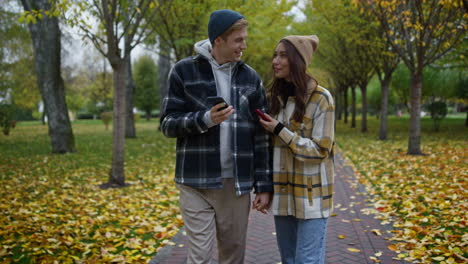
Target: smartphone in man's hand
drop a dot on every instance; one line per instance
(214, 100)
(261, 115)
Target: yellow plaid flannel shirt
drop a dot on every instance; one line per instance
(303, 167)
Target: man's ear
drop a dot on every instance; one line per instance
(218, 40)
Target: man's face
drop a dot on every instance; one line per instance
(230, 50)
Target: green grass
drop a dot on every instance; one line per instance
(398, 128)
(93, 142)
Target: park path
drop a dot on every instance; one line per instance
(349, 221)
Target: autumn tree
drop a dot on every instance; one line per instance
(97, 81)
(456, 61)
(122, 25)
(269, 21)
(180, 24)
(421, 32)
(146, 77)
(17, 77)
(89, 86)
(186, 22)
(387, 62)
(347, 47)
(46, 37)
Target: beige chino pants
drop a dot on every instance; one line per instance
(206, 212)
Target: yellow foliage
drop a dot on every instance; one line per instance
(423, 196)
(53, 210)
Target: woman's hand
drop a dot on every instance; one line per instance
(269, 124)
(262, 202)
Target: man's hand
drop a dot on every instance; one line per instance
(218, 116)
(270, 124)
(262, 202)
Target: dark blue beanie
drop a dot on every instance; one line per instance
(220, 21)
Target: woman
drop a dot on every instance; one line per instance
(302, 123)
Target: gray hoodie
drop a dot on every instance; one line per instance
(222, 75)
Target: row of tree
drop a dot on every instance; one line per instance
(361, 39)
(115, 28)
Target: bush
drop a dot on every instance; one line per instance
(106, 118)
(23, 114)
(6, 118)
(438, 112)
(85, 116)
(136, 117)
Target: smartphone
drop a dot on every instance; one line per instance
(261, 114)
(214, 100)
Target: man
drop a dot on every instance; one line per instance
(221, 153)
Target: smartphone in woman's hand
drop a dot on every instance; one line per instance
(261, 115)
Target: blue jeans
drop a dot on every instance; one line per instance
(301, 241)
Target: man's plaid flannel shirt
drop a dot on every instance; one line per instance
(191, 81)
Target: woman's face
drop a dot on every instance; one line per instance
(280, 63)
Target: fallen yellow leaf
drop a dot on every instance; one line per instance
(392, 247)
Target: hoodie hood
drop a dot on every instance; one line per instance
(203, 48)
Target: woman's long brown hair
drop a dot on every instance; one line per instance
(298, 77)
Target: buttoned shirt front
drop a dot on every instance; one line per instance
(303, 169)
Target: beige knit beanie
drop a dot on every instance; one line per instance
(306, 45)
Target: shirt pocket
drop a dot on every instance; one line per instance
(248, 102)
(196, 94)
(304, 128)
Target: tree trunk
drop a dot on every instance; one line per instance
(364, 108)
(46, 37)
(353, 107)
(345, 105)
(117, 175)
(384, 109)
(44, 115)
(164, 66)
(129, 89)
(148, 115)
(466, 119)
(339, 105)
(414, 143)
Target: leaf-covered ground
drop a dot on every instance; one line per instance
(51, 210)
(423, 197)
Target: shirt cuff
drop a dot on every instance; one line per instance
(286, 135)
(207, 119)
(278, 128)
